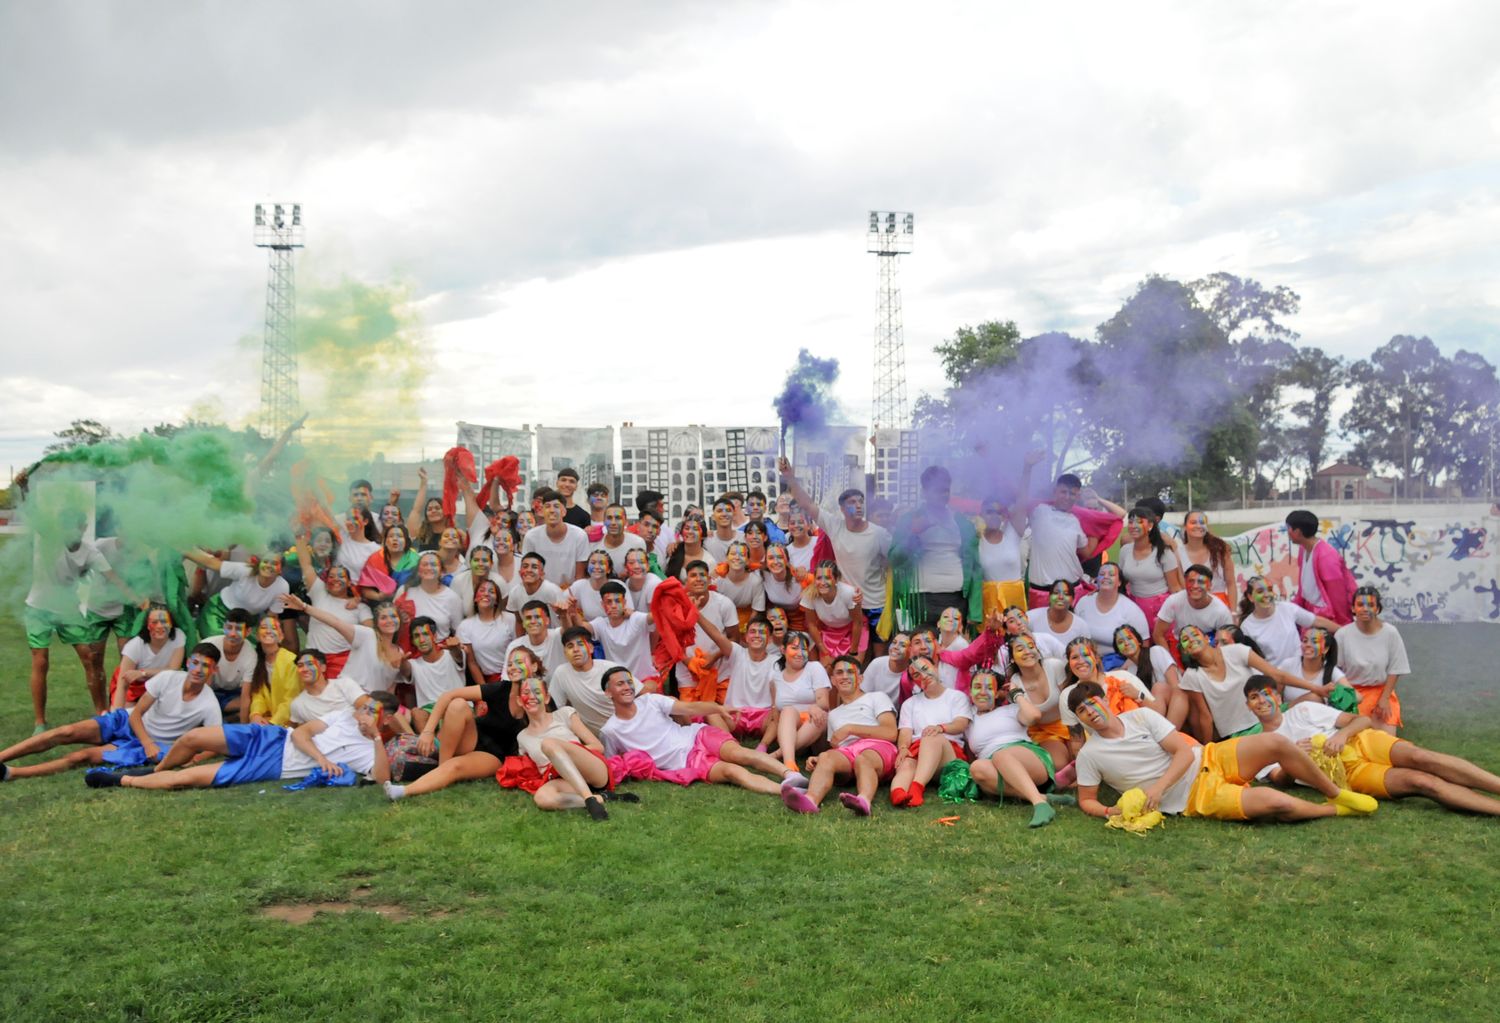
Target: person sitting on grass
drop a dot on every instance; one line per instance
(346, 740)
(561, 763)
(320, 694)
(683, 754)
(159, 646)
(273, 681)
(861, 740)
(471, 745)
(432, 672)
(799, 700)
(174, 703)
(1003, 753)
(752, 670)
(1043, 680)
(1215, 683)
(1375, 762)
(931, 724)
(1141, 749)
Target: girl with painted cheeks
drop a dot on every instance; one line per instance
(1373, 657)
(743, 587)
(389, 568)
(160, 646)
(598, 570)
(1057, 618)
(255, 586)
(481, 565)
(1107, 610)
(1157, 671)
(390, 515)
(800, 546)
(1148, 563)
(781, 626)
(1042, 679)
(267, 699)
(431, 599)
(451, 546)
(931, 725)
(1214, 679)
(757, 537)
(562, 762)
(800, 696)
(833, 610)
(1201, 547)
(1275, 624)
(640, 582)
(486, 634)
(1317, 664)
(862, 748)
(361, 539)
(688, 549)
(783, 586)
(1005, 758)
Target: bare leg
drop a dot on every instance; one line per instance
(557, 795)
(578, 767)
(1022, 771)
(77, 733)
(1061, 755)
(1256, 752)
(831, 766)
(787, 720)
(1444, 765)
(726, 773)
(39, 661)
(199, 740)
(90, 755)
(1402, 781)
(936, 751)
(734, 753)
(867, 774)
(468, 767)
(91, 656)
(200, 777)
(458, 732)
(1273, 804)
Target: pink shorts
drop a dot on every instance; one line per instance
(700, 759)
(751, 720)
(886, 751)
(837, 639)
(1149, 607)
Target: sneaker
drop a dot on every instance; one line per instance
(859, 804)
(101, 778)
(796, 799)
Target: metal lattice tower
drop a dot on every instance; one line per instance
(890, 236)
(279, 401)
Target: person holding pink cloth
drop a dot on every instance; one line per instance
(1325, 586)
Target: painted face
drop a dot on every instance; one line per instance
(307, 669)
(1015, 622)
(691, 533)
(1059, 599)
(553, 512)
(598, 498)
(159, 624)
(428, 567)
(422, 638)
(390, 515)
(269, 631)
(845, 678)
(451, 540)
(1192, 640)
(322, 544)
(234, 632)
(922, 644)
(798, 524)
(519, 665)
(1126, 644)
(635, 564)
(854, 507)
(1263, 702)
(268, 567)
(755, 506)
(1315, 644)
(796, 653)
(480, 562)
(504, 543)
(614, 521)
(757, 635)
(1195, 525)
(1093, 713)
(1024, 650)
(649, 529)
(1084, 661)
(1260, 593)
(825, 580)
(200, 669)
(387, 620)
(614, 605)
(723, 514)
(924, 671)
(525, 519)
(580, 652)
(599, 566)
(1365, 606)
(487, 595)
(697, 581)
(984, 691)
(354, 523)
(534, 621)
(338, 581)
(948, 620)
(737, 556)
(1137, 527)
(621, 687)
(776, 559)
(533, 694)
(777, 617)
(395, 542)
(1109, 578)
(531, 571)
(898, 647)
(1196, 584)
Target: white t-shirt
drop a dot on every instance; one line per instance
(718, 546)
(720, 611)
(862, 557)
(801, 691)
(339, 694)
(1310, 591)
(54, 582)
(530, 743)
(993, 729)
(365, 665)
(590, 602)
(652, 731)
(801, 557)
(562, 556)
(432, 679)
(340, 742)
(863, 710)
(1161, 664)
(581, 690)
(1055, 670)
(547, 592)
(1128, 682)
(749, 680)
(1303, 721)
(836, 612)
(785, 593)
(171, 717)
(632, 542)
(1178, 613)
(1040, 626)
(231, 676)
(940, 566)
(748, 592)
(549, 650)
(1136, 759)
(322, 636)
(1001, 562)
(143, 657)
(1102, 624)
(1056, 539)
(880, 677)
(463, 585)
(245, 592)
(641, 599)
(628, 643)
(488, 640)
(1145, 576)
(1294, 666)
(1226, 698)
(1278, 634)
(352, 555)
(444, 608)
(921, 710)
(1367, 660)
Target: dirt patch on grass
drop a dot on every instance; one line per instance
(304, 912)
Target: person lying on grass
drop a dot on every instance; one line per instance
(932, 723)
(1376, 762)
(861, 740)
(1140, 749)
(561, 763)
(174, 703)
(1003, 752)
(683, 754)
(346, 740)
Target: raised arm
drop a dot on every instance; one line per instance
(1020, 508)
(205, 559)
(419, 503)
(339, 625)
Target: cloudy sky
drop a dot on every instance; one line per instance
(619, 211)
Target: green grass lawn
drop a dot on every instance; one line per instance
(712, 903)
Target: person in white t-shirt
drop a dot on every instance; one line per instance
(621, 631)
(932, 723)
(1317, 664)
(538, 636)
(173, 704)
(160, 646)
(257, 589)
(1003, 753)
(834, 613)
(744, 588)
(321, 695)
(1058, 542)
(1156, 670)
(801, 695)
(481, 565)
(432, 599)
(432, 672)
(1214, 680)
(751, 670)
(567, 765)
(583, 595)
(1042, 678)
(884, 674)
(718, 626)
(336, 596)
(1276, 625)
(237, 661)
(1057, 618)
(861, 741)
(1373, 657)
(722, 532)
(576, 683)
(532, 584)
(1108, 609)
(617, 541)
(564, 545)
(1194, 605)
(1375, 762)
(644, 722)
(486, 635)
(1140, 749)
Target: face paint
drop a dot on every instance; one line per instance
(1126, 645)
(1261, 594)
(533, 694)
(1191, 640)
(1268, 695)
(948, 620)
(1097, 706)
(198, 667)
(421, 638)
(1366, 603)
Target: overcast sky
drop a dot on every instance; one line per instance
(616, 211)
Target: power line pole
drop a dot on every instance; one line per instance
(890, 236)
(280, 403)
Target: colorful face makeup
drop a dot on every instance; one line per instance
(322, 545)
(635, 564)
(533, 694)
(1366, 604)
(924, 671)
(338, 580)
(1260, 592)
(614, 521)
(307, 666)
(534, 621)
(1059, 599)
(1263, 700)
(1195, 584)
(777, 617)
(691, 532)
(422, 638)
(1126, 645)
(948, 621)
(268, 631)
(1195, 525)
(737, 555)
(697, 581)
(1191, 640)
(649, 530)
(1024, 650)
(518, 666)
(614, 605)
(159, 623)
(1093, 711)
(1083, 660)
(795, 650)
(487, 594)
(234, 631)
(531, 571)
(898, 647)
(757, 635)
(1108, 578)
(480, 562)
(599, 565)
(428, 566)
(984, 689)
(845, 677)
(776, 559)
(395, 541)
(387, 620)
(390, 515)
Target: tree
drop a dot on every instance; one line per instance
(1322, 375)
(1471, 427)
(1398, 414)
(80, 433)
(974, 350)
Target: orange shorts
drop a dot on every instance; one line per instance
(1048, 731)
(1369, 696)
(710, 693)
(1218, 791)
(1366, 759)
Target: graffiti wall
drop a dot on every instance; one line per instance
(1429, 569)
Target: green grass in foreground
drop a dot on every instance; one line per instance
(712, 903)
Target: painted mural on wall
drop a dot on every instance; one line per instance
(1429, 569)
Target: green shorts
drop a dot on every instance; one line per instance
(1041, 754)
(40, 625)
(121, 625)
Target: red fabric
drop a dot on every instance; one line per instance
(522, 773)
(457, 461)
(823, 550)
(676, 617)
(506, 472)
(1098, 525)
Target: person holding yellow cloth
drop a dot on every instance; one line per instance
(1141, 749)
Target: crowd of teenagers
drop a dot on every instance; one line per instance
(789, 648)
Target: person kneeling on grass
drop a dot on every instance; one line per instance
(1003, 751)
(1140, 749)
(932, 722)
(174, 703)
(561, 763)
(1376, 762)
(683, 754)
(861, 737)
(346, 740)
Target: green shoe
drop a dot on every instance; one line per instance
(1041, 815)
(1062, 799)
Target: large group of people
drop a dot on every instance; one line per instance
(786, 647)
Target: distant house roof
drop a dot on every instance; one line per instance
(1343, 469)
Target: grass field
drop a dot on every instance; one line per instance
(710, 903)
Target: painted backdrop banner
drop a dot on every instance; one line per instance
(1428, 568)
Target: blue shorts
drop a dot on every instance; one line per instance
(255, 753)
(872, 619)
(114, 727)
(225, 697)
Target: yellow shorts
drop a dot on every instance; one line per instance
(1218, 790)
(1048, 731)
(999, 595)
(1366, 759)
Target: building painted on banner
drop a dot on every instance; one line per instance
(490, 443)
(695, 464)
(831, 461)
(589, 450)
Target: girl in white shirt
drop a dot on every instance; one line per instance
(783, 585)
(833, 613)
(1275, 624)
(599, 569)
(640, 584)
(1317, 664)
(1215, 682)
(487, 634)
(800, 692)
(160, 646)
(568, 758)
(1148, 563)
(1042, 679)
(931, 725)
(743, 587)
(861, 740)
(1003, 753)
(1157, 671)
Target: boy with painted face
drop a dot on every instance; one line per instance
(1325, 586)
(722, 533)
(1002, 749)
(751, 670)
(1141, 749)
(564, 545)
(861, 739)
(1194, 604)
(1372, 657)
(432, 672)
(755, 511)
(623, 632)
(616, 541)
(236, 662)
(321, 695)
(718, 626)
(173, 704)
(539, 636)
(1376, 763)
(532, 584)
(576, 682)
(1275, 625)
(883, 675)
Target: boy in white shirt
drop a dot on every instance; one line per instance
(623, 633)
(564, 545)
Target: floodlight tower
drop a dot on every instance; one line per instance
(890, 237)
(279, 401)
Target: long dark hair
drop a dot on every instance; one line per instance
(1247, 606)
(1330, 653)
(1143, 667)
(261, 676)
(145, 634)
(1146, 514)
(385, 555)
(1218, 549)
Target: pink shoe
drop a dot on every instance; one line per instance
(1065, 778)
(859, 804)
(796, 799)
